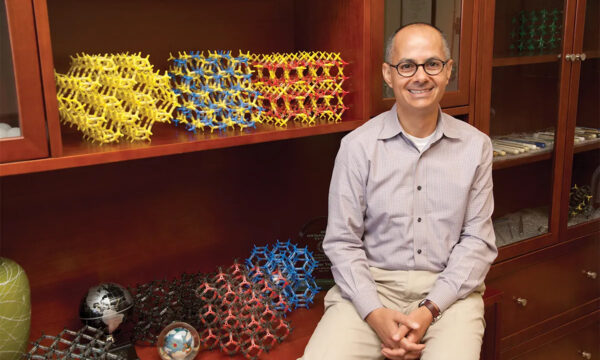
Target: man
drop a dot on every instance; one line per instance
(409, 231)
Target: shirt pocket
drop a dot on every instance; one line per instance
(447, 193)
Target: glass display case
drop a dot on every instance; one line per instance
(583, 142)
(524, 115)
(9, 112)
(22, 119)
(523, 110)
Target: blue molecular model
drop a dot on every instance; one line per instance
(214, 91)
(287, 266)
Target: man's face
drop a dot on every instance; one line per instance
(421, 92)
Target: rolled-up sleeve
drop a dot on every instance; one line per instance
(475, 251)
(345, 227)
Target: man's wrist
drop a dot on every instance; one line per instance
(433, 308)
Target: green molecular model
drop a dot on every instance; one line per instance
(535, 31)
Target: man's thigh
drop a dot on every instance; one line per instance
(342, 334)
(459, 332)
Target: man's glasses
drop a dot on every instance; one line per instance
(409, 68)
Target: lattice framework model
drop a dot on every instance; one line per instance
(86, 344)
(288, 266)
(215, 91)
(302, 86)
(111, 96)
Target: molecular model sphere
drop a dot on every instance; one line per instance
(178, 341)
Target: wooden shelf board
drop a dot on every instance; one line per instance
(524, 59)
(167, 140)
(592, 54)
(587, 145)
(501, 162)
(303, 323)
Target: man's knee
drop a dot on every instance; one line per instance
(459, 333)
(342, 334)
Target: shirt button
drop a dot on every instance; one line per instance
(419, 251)
(419, 187)
(419, 220)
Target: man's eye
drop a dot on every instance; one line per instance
(433, 64)
(406, 66)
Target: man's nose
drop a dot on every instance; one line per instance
(420, 75)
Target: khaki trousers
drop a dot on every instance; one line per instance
(343, 335)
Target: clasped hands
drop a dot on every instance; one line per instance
(400, 334)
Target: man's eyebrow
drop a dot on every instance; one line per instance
(413, 61)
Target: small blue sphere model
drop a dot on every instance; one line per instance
(178, 341)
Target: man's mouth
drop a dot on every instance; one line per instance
(419, 91)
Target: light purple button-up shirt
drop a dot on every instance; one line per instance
(395, 208)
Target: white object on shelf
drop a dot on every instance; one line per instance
(13, 132)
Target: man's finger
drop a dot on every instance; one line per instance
(413, 356)
(400, 333)
(393, 354)
(405, 320)
(410, 345)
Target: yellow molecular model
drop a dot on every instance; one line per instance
(111, 96)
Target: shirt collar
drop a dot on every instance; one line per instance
(392, 127)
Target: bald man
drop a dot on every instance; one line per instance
(409, 231)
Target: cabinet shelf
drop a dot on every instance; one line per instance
(507, 161)
(524, 60)
(167, 140)
(303, 323)
(534, 59)
(515, 160)
(587, 145)
(592, 54)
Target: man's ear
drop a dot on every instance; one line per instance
(386, 70)
(449, 67)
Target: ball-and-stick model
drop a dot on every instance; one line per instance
(86, 344)
(302, 86)
(214, 91)
(108, 97)
(288, 266)
(240, 315)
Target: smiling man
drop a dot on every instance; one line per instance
(409, 230)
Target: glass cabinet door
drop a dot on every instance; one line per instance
(9, 111)
(584, 144)
(452, 17)
(22, 121)
(526, 81)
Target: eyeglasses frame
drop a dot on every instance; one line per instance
(417, 68)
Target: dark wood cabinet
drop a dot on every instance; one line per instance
(574, 340)
(546, 288)
(66, 28)
(537, 78)
(74, 214)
